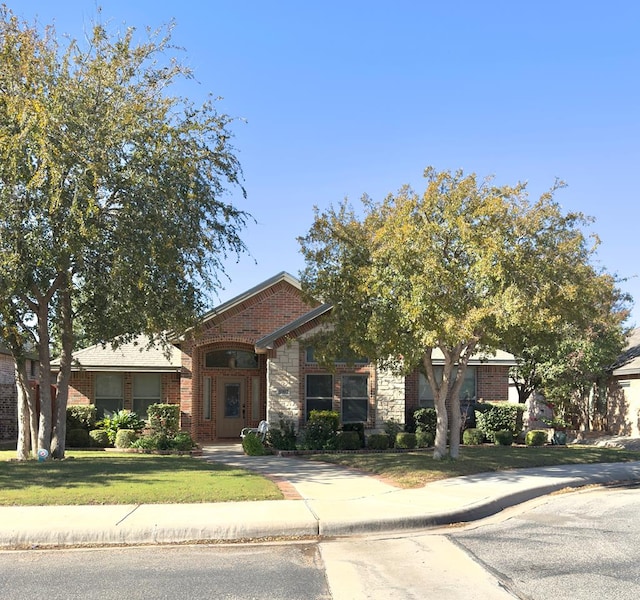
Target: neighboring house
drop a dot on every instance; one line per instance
(624, 390)
(248, 360)
(9, 393)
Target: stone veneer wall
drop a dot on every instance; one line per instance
(389, 398)
(283, 385)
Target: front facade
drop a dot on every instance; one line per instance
(623, 413)
(248, 361)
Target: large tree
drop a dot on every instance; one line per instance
(459, 268)
(112, 194)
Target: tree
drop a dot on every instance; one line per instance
(112, 209)
(460, 268)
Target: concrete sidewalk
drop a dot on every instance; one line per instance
(332, 502)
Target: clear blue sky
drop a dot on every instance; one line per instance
(347, 97)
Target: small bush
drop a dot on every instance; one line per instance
(426, 420)
(99, 438)
(406, 440)
(123, 419)
(535, 437)
(392, 428)
(81, 417)
(182, 441)
(472, 437)
(503, 416)
(378, 441)
(504, 437)
(124, 438)
(78, 438)
(348, 440)
(358, 428)
(164, 418)
(252, 445)
(424, 439)
(321, 430)
(282, 437)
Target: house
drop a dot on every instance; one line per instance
(248, 360)
(623, 413)
(9, 393)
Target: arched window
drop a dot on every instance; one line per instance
(231, 359)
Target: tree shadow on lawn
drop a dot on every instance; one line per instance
(101, 470)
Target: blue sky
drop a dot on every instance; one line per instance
(347, 97)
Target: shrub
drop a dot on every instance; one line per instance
(154, 441)
(497, 417)
(78, 437)
(123, 419)
(282, 437)
(124, 438)
(472, 437)
(348, 440)
(321, 430)
(358, 428)
(252, 445)
(425, 419)
(503, 437)
(99, 438)
(164, 418)
(424, 439)
(392, 428)
(378, 441)
(81, 417)
(406, 440)
(182, 441)
(535, 437)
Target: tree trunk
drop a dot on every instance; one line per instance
(58, 441)
(25, 437)
(442, 423)
(44, 428)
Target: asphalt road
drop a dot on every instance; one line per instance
(574, 546)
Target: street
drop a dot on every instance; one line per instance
(573, 546)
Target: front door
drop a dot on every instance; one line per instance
(231, 406)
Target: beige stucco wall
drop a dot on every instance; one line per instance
(624, 407)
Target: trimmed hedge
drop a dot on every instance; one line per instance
(78, 437)
(424, 439)
(378, 441)
(472, 437)
(358, 428)
(503, 437)
(81, 417)
(164, 418)
(535, 437)
(124, 438)
(348, 440)
(498, 417)
(99, 438)
(406, 440)
(425, 419)
(321, 430)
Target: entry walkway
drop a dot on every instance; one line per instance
(332, 502)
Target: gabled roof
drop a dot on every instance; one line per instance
(628, 362)
(131, 356)
(254, 291)
(268, 342)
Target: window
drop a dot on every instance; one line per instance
(355, 398)
(146, 391)
(319, 394)
(206, 398)
(311, 359)
(231, 359)
(467, 391)
(108, 394)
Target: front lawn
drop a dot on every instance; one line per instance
(415, 469)
(113, 478)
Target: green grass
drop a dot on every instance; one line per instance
(415, 469)
(113, 478)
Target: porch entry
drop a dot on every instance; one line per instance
(232, 403)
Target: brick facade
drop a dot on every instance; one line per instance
(272, 320)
